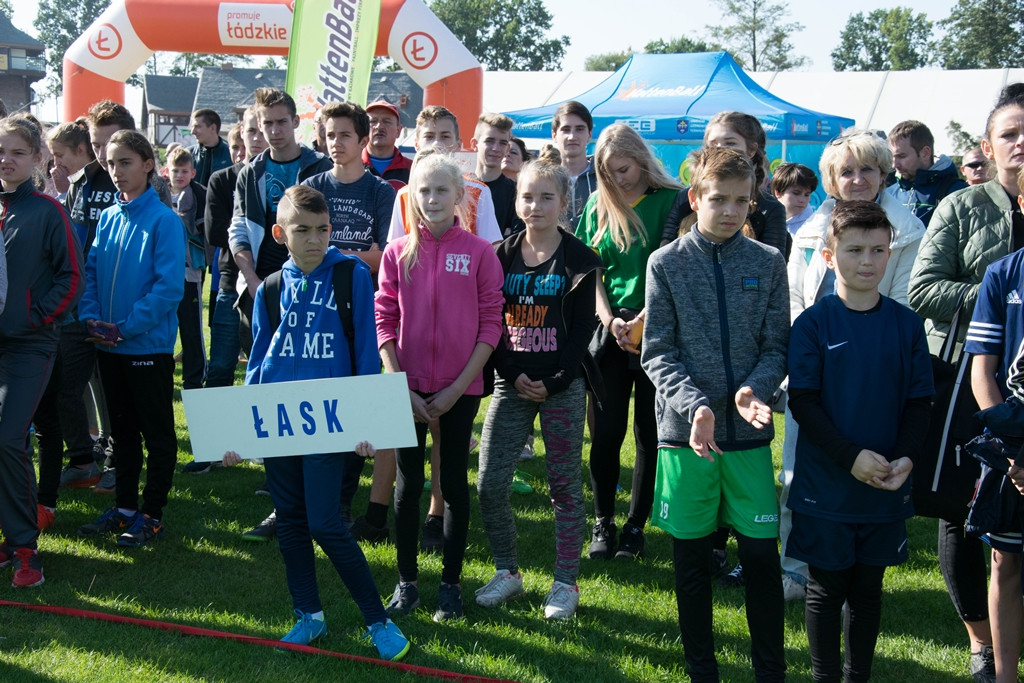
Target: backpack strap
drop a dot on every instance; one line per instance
(343, 300)
(272, 299)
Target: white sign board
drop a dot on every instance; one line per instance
(300, 418)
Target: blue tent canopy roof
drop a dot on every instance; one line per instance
(672, 97)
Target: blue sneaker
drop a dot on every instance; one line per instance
(306, 629)
(389, 640)
(143, 530)
(111, 521)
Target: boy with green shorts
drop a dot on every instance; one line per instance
(714, 345)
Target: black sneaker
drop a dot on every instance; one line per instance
(602, 540)
(197, 467)
(449, 603)
(111, 521)
(264, 531)
(362, 530)
(631, 544)
(983, 665)
(143, 530)
(263, 489)
(733, 579)
(432, 537)
(719, 564)
(405, 599)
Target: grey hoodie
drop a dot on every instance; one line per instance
(717, 320)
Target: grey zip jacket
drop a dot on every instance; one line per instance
(717, 320)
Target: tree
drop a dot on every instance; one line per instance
(60, 23)
(758, 39)
(6, 9)
(983, 34)
(885, 40)
(607, 61)
(678, 45)
(961, 139)
(192, 63)
(505, 35)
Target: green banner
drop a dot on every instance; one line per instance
(330, 58)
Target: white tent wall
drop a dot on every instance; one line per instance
(875, 99)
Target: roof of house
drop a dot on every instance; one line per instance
(14, 37)
(228, 91)
(170, 94)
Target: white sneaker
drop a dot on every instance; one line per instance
(562, 601)
(502, 587)
(793, 589)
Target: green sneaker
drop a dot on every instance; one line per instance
(519, 484)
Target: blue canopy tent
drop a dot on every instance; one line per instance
(669, 99)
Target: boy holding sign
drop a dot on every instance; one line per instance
(310, 343)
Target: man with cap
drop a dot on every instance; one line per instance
(381, 156)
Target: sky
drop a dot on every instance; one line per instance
(595, 26)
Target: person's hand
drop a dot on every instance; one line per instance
(252, 285)
(870, 468)
(420, 413)
(899, 470)
(531, 390)
(620, 330)
(752, 409)
(441, 402)
(103, 333)
(1016, 475)
(364, 449)
(230, 459)
(59, 174)
(631, 333)
(702, 434)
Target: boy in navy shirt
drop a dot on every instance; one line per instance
(305, 488)
(860, 387)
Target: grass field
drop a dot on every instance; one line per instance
(201, 574)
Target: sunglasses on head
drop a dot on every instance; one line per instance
(842, 139)
(975, 165)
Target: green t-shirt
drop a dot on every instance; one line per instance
(625, 273)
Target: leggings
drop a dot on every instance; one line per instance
(609, 431)
(456, 427)
(962, 563)
(765, 606)
(860, 586)
(509, 421)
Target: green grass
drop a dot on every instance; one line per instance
(201, 574)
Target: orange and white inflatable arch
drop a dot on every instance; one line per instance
(128, 32)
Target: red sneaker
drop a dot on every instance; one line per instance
(44, 516)
(28, 568)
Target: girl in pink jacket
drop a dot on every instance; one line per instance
(438, 319)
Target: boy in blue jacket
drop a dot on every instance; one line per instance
(305, 488)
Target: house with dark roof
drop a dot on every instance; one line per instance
(167, 108)
(22, 63)
(228, 90)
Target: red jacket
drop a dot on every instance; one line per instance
(397, 172)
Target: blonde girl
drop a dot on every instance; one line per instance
(622, 223)
(438, 320)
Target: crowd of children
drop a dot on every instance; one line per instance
(551, 283)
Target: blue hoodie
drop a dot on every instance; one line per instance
(310, 342)
(135, 274)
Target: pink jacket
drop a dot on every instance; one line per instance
(452, 301)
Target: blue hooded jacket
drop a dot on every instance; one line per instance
(310, 342)
(135, 274)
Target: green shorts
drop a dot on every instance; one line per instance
(693, 497)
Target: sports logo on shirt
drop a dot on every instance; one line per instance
(457, 263)
(1013, 297)
(751, 284)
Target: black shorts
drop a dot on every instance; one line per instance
(834, 546)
